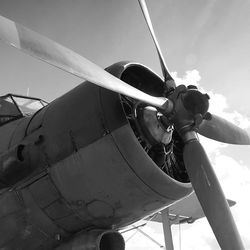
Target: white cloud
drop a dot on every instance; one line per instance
(192, 77)
(219, 106)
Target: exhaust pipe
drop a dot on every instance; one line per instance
(95, 240)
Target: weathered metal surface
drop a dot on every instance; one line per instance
(88, 171)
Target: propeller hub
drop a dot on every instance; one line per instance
(190, 108)
(195, 102)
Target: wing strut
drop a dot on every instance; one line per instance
(148, 236)
(167, 229)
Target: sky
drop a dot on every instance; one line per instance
(204, 42)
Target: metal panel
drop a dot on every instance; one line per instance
(44, 192)
(7, 133)
(58, 209)
(108, 189)
(72, 122)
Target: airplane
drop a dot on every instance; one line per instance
(72, 177)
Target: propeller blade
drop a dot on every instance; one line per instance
(165, 71)
(59, 56)
(211, 197)
(222, 130)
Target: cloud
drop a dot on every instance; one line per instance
(191, 77)
(219, 106)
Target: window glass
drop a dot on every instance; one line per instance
(28, 106)
(13, 107)
(8, 110)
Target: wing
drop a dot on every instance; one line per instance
(186, 210)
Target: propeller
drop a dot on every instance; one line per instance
(191, 107)
(186, 109)
(219, 129)
(210, 195)
(59, 56)
(167, 76)
(215, 128)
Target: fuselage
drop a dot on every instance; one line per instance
(78, 166)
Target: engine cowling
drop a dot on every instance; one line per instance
(89, 170)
